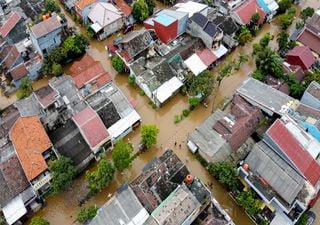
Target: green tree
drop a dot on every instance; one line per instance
(201, 85)
(149, 135)
(140, 10)
(100, 178)
(303, 219)
(132, 80)
(37, 220)
(255, 18)
(51, 6)
(282, 40)
(226, 173)
(25, 88)
(307, 12)
(63, 172)
(285, 20)
(299, 24)
(258, 74)
(269, 62)
(296, 90)
(57, 69)
(256, 48)
(244, 36)
(151, 5)
(122, 155)
(313, 75)
(118, 64)
(264, 41)
(284, 5)
(225, 71)
(194, 101)
(249, 202)
(86, 214)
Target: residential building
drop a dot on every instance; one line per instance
(17, 197)
(92, 129)
(88, 75)
(309, 34)
(295, 70)
(126, 9)
(124, 208)
(270, 7)
(301, 56)
(83, 7)
(268, 99)
(13, 28)
(105, 19)
(34, 150)
(115, 111)
(168, 24)
(311, 96)
(48, 34)
(191, 8)
(226, 6)
(8, 117)
(199, 26)
(243, 13)
(222, 134)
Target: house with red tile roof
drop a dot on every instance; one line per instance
(126, 9)
(301, 56)
(92, 129)
(83, 7)
(243, 14)
(88, 75)
(34, 149)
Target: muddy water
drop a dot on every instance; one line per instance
(63, 208)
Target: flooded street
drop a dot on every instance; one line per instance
(62, 209)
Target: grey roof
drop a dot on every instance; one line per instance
(28, 106)
(279, 175)
(45, 27)
(208, 140)
(104, 14)
(311, 96)
(121, 209)
(265, 97)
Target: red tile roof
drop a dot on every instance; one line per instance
(81, 4)
(207, 57)
(124, 7)
(10, 24)
(247, 9)
(302, 56)
(81, 64)
(19, 72)
(310, 39)
(30, 141)
(11, 57)
(91, 127)
(294, 151)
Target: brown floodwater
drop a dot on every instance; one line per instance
(63, 208)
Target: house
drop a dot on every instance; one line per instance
(301, 56)
(168, 24)
(295, 70)
(191, 8)
(243, 14)
(8, 117)
(133, 45)
(105, 19)
(225, 7)
(268, 99)
(34, 150)
(10, 57)
(201, 27)
(17, 197)
(124, 206)
(126, 9)
(92, 129)
(311, 96)
(88, 75)
(221, 134)
(200, 61)
(13, 29)
(83, 7)
(309, 35)
(269, 175)
(48, 34)
(270, 7)
(115, 111)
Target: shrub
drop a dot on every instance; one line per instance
(186, 112)
(87, 214)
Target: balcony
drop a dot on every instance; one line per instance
(41, 181)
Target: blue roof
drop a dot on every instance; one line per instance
(264, 6)
(164, 19)
(313, 130)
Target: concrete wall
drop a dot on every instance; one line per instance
(111, 28)
(47, 43)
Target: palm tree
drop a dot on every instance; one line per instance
(269, 62)
(244, 36)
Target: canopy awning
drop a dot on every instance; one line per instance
(96, 27)
(14, 210)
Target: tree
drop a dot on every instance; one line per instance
(100, 178)
(118, 64)
(51, 6)
(285, 20)
(25, 88)
(249, 202)
(244, 36)
(37, 220)
(140, 10)
(269, 62)
(257, 74)
(313, 75)
(194, 101)
(255, 18)
(226, 173)
(63, 172)
(151, 5)
(225, 71)
(307, 12)
(149, 135)
(296, 90)
(201, 85)
(57, 69)
(282, 40)
(122, 155)
(264, 41)
(284, 5)
(87, 214)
